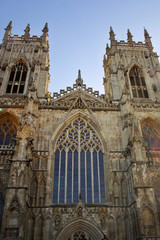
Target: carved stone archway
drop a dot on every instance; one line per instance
(82, 225)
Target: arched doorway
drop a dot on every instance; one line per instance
(80, 229)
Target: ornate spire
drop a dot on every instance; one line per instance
(45, 33)
(129, 37)
(27, 32)
(79, 81)
(45, 29)
(112, 36)
(7, 31)
(148, 40)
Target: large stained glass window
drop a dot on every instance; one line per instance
(78, 165)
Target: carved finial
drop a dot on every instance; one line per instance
(148, 39)
(7, 31)
(79, 74)
(79, 81)
(129, 36)
(45, 33)
(112, 36)
(27, 32)
(45, 29)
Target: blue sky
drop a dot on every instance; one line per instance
(79, 31)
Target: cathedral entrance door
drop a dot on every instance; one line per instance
(80, 229)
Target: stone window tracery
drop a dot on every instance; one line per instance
(137, 81)
(7, 132)
(17, 78)
(79, 236)
(78, 166)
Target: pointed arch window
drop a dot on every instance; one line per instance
(17, 78)
(78, 165)
(151, 136)
(8, 132)
(138, 84)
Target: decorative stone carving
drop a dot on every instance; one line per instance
(57, 221)
(29, 119)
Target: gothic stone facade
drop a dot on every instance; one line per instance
(78, 165)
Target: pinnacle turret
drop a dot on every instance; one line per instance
(45, 33)
(27, 32)
(45, 29)
(79, 81)
(148, 40)
(112, 35)
(129, 37)
(8, 30)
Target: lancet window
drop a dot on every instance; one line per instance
(7, 132)
(138, 84)
(17, 78)
(78, 165)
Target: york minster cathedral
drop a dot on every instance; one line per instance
(75, 164)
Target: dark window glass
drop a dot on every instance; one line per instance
(8, 88)
(62, 177)
(56, 177)
(11, 76)
(138, 84)
(102, 184)
(146, 94)
(21, 89)
(75, 188)
(132, 81)
(83, 176)
(17, 77)
(23, 76)
(134, 92)
(8, 138)
(143, 81)
(140, 93)
(137, 81)
(15, 88)
(95, 171)
(1, 139)
(69, 178)
(89, 179)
